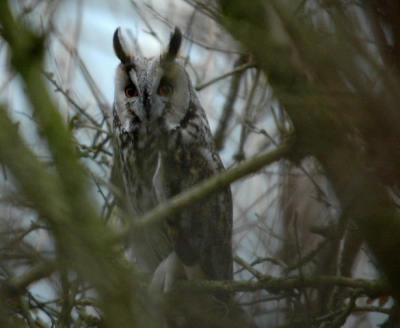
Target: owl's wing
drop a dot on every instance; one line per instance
(201, 234)
(152, 244)
(211, 219)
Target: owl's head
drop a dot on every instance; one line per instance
(152, 91)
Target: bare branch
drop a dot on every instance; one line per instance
(276, 285)
(203, 190)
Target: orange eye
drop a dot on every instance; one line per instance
(131, 91)
(165, 90)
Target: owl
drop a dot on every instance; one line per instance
(163, 146)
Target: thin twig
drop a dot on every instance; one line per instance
(249, 268)
(50, 77)
(223, 76)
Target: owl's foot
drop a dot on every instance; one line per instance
(167, 273)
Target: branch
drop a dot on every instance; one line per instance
(257, 274)
(40, 271)
(66, 94)
(220, 132)
(320, 126)
(61, 198)
(277, 285)
(223, 76)
(204, 189)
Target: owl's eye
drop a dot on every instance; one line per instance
(131, 91)
(165, 90)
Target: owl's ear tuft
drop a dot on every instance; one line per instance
(174, 45)
(121, 47)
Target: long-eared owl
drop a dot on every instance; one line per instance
(163, 146)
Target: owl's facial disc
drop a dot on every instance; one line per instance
(154, 90)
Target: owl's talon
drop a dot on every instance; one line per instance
(167, 273)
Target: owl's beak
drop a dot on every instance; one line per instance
(146, 104)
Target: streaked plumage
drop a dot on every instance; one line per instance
(163, 146)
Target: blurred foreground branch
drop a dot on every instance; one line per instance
(220, 180)
(61, 198)
(302, 66)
